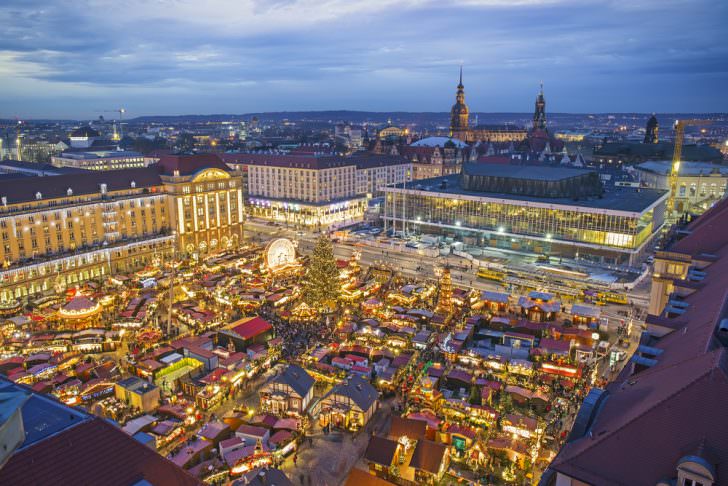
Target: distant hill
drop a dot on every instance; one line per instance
(404, 117)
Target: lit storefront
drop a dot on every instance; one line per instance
(306, 214)
(585, 227)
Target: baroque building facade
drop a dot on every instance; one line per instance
(58, 231)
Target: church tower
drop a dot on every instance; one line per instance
(539, 115)
(459, 112)
(651, 130)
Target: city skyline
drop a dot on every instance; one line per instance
(171, 58)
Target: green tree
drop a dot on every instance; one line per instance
(321, 286)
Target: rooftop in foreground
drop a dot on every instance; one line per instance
(664, 418)
(68, 446)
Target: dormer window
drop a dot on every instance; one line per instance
(695, 470)
(133, 184)
(38, 195)
(69, 192)
(103, 188)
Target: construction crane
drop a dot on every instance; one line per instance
(677, 155)
(121, 112)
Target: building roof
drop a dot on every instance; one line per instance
(524, 172)
(190, 164)
(497, 297)
(66, 446)
(99, 154)
(313, 161)
(438, 142)
(381, 451)
(614, 198)
(707, 233)
(661, 150)
(358, 390)
(357, 477)
(675, 405)
(85, 132)
(428, 456)
(265, 477)
(136, 385)
(555, 346)
(402, 426)
(501, 128)
(370, 161)
(22, 168)
(250, 327)
(86, 182)
(297, 378)
(80, 303)
(664, 167)
(252, 430)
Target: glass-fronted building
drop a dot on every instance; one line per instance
(581, 218)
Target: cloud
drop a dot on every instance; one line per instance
(250, 55)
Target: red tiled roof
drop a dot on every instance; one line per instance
(357, 477)
(555, 346)
(92, 452)
(652, 418)
(190, 164)
(85, 182)
(708, 232)
(251, 327)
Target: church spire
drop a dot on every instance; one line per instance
(539, 114)
(459, 112)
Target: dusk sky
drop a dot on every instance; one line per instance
(77, 58)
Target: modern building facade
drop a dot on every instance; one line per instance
(543, 210)
(102, 160)
(60, 230)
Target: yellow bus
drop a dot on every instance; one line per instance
(490, 274)
(614, 297)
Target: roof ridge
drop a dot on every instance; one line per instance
(607, 435)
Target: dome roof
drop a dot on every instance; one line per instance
(85, 132)
(438, 142)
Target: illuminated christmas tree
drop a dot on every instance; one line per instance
(321, 285)
(444, 298)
